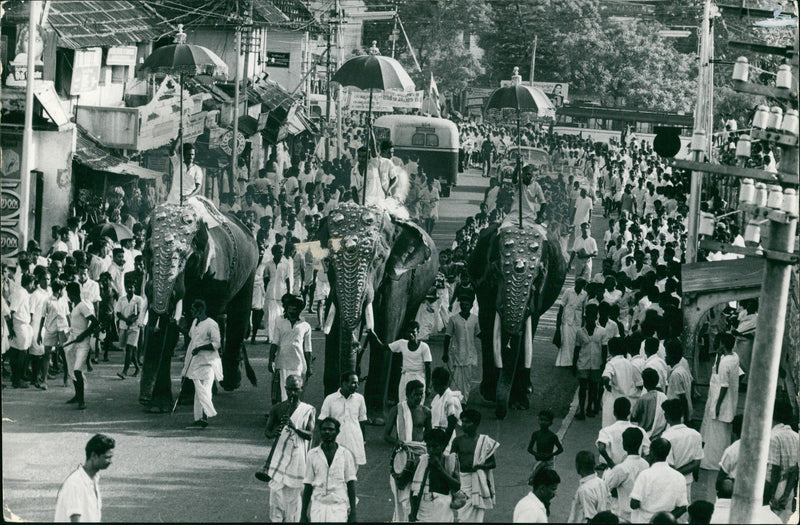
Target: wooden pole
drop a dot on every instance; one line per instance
(369, 148)
(236, 94)
(763, 379)
(180, 134)
(519, 166)
(533, 57)
(27, 132)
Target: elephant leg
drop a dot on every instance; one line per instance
(488, 388)
(330, 377)
(155, 388)
(377, 386)
(238, 313)
(512, 347)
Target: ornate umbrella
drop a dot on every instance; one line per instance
(371, 72)
(183, 59)
(113, 230)
(523, 99)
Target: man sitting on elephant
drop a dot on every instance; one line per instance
(387, 185)
(532, 200)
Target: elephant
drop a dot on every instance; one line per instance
(380, 268)
(517, 275)
(194, 252)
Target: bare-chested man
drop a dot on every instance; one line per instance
(476, 459)
(408, 422)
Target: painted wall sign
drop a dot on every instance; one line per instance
(121, 56)
(276, 59)
(86, 70)
(10, 203)
(9, 242)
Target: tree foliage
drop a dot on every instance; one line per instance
(435, 30)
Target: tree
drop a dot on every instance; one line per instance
(436, 31)
(629, 62)
(515, 23)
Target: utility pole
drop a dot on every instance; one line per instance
(236, 82)
(395, 34)
(339, 60)
(328, 94)
(247, 44)
(533, 56)
(701, 121)
(27, 134)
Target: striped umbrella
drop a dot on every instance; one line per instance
(371, 72)
(523, 99)
(184, 59)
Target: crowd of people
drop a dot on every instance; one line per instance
(618, 331)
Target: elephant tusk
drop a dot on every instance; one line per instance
(528, 343)
(329, 319)
(369, 317)
(497, 340)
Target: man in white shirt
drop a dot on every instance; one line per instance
(722, 507)
(620, 379)
(202, 363)
(658, 488)
(348, 407)
(680, 377)
(20, 330)
(446, 405)
(117, 272)
(278, 277)
(609, 439)
(79, 496)
(583, 209)
(533, 508)
(193, 176)
(290, 353)
(686, 444)
(583, 249)
(329, 495)
(621, 478)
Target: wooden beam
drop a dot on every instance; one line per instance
(747, 251)
(752, 12)
(761, 48)
(766, 91)
(784, 179)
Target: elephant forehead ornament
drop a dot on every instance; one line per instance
(174, 226)
(520, 263)
(355, 232)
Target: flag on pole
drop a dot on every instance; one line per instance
(433, 98)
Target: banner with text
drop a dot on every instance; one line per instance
(558, 92)
(384, 101)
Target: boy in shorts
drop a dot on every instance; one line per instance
(128, 310)
(53, 330)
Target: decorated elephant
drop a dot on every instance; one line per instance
(380, 269)
(196, 252)
(517, 275)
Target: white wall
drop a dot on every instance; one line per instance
(283, 41)
(52, 155)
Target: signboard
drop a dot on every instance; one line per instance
(558, 92)
(384, 101)
(477, 97)
(10, 202)
(262, 121)
(86, 70)
(121, 56)
(226, 142)
(276, 59)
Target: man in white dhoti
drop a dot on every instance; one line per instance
(192, 176)
(292, 421)
(348, 407)
(202, 363)
(446, 405)
(387, 184)
(436, 477)
(278, 276)
(583, 250)
(83, 323)
(408, 422)
(620, 379)
(532, 200)
(330, 481)
(476, 462)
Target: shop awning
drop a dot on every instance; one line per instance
(91, 154)
(298, 122)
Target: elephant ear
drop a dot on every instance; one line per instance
(551, 278)
(411, 248)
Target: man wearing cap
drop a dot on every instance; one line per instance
(192, 175)
(290, 353)
(583, 249)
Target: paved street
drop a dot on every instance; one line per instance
(162, 472)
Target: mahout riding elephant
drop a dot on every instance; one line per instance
(517, 275)
(193, 251)
(380, 269)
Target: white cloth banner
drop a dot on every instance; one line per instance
(384, 101)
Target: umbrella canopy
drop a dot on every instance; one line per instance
(522, 98)
(374, 72)
(112, 230)
(180, 57)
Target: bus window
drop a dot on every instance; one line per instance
(418, 139)
(381, 133)
(432, 140)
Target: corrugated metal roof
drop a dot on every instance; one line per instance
(89, 153)
(84, 23)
